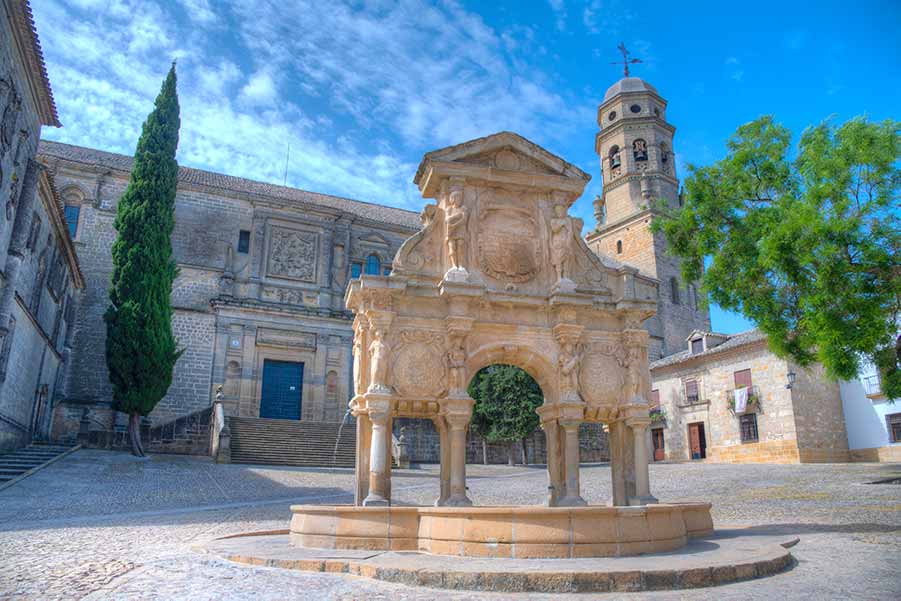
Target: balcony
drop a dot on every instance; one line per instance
(872, 387)
(753, 405)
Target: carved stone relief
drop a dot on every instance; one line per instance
(286, 338)
(509, 243)
(601, 374)
(289, 296)
(419, 365)
(293, 254)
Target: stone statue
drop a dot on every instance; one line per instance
(456, 361)
(378, 356)
(633, 373)
(561, 241)
(358, 358)
(455, 218)
(568, 362)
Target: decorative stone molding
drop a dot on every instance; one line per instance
(293, 254)
(286, 339)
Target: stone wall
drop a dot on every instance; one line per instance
(282, 299)
(819, 419)
(423, 444)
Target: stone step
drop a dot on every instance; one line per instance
(290, 442)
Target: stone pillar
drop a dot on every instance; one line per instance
(444, 450)
(556, 486)
(361, 471)
(617, 463)
(571, 463)
(457, 424)
(640, 452)
(379, 458)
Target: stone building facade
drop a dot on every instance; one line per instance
(793, 414)
(262, 275)
(40, 279)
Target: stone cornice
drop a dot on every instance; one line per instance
(28, 46)
(53, 206)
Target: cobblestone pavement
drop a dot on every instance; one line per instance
(103, 525)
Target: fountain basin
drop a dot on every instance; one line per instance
(506, 531)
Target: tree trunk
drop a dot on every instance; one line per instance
(484, 451)
(510, 459)
(525, 460)
(134, 435)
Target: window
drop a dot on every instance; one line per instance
(893, 421)
(691, 391)
(373, 265)
(635, 108)
(611, 116)
(244, 241)
(697, 346)
(674, 288)
(640, 150)
(655, 398)
(356, 269)
(614, 157)
(386, 270)
(742, 378)
(748, 425)
(72, 212)
(619, 247)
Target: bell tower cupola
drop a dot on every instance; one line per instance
(634, 144)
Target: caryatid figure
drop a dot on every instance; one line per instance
(455, 219)
(561, 241)
(633, 372)
(358, 352)
(378, 356)
(568, 362)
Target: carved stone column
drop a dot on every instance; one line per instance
(458, 412)
(642, 481)
(361, 470)
(379, 458)
(556, 485)
(571, 463)
(444, 450)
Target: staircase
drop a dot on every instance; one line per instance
(15, 464)
(291, 442)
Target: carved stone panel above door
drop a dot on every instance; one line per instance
(293, 254)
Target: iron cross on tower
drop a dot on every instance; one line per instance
(626, 60)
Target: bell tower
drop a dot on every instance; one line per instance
(635, 147)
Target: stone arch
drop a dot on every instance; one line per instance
(539, 367)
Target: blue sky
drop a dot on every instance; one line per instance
(361, 90)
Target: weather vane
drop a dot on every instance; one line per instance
(626, 60)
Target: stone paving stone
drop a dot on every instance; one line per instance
(101, 525)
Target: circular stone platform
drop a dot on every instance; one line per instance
(724, 557)
(502, 532)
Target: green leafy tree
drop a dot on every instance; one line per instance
(804, 242)
(140, 348)
(506, 399)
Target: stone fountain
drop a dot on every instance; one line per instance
(499, 273)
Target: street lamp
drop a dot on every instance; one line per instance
(791, 380)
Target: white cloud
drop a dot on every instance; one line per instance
(358, 97)
(560, 15)
(200, 11)
(260, 90)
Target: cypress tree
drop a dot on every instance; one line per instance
(140, 347)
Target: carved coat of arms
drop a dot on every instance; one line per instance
(509, 244)
(293, 254)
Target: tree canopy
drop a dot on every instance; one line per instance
(802, 241)
(140, 347)
(506, 398)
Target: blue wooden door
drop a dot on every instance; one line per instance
(282, 386)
